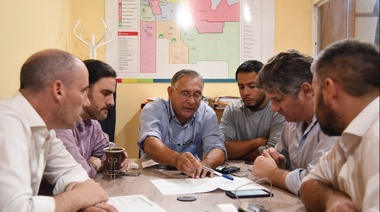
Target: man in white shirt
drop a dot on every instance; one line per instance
(346, 85)
(52, 94)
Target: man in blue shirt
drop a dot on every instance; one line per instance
(286, 80)
(176, 131)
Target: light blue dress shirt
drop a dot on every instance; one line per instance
(200, 134)
(302, 150)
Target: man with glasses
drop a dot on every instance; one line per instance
(286, 80)
(178, 130)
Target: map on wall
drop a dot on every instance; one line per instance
(153, 39)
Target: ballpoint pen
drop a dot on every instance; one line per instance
(213, 171)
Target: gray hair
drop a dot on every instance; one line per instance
(186, 72)
(285, 73)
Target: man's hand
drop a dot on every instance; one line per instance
(264, 166)
(80, 196)
(272, 152)
(124, 166)
(187, 164)
(100, 207)
(96, 163)
(91, 190)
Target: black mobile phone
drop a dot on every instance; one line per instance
(251, 193)
(130, 174)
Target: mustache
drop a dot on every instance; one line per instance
(107, 107)
(249, 99)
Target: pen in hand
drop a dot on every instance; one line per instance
(213, 171)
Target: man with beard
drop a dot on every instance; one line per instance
(286, 80)
(87, 140)
(346, 86)
(248, 125)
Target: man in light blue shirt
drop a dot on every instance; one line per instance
(175, 131)
(286, 79)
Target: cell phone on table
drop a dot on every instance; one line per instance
(251, 193)
(130, 174)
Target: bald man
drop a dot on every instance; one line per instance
(52, 94)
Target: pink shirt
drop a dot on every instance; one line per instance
(85, 140)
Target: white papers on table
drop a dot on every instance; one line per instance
(148, 163)
(227, 207)
(134, 203)
(191, 185)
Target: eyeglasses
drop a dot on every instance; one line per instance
(197, 96)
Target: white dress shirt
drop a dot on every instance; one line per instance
(29, 151)
(352, 165)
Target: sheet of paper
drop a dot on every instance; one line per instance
(239, 182)
(183, 186)
(136, 203)
(148, 163)
(227, 207)
(191, 186)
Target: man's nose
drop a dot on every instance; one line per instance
(110, 101)
(86, 102)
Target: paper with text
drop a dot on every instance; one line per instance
(136, 203)
(191, 185)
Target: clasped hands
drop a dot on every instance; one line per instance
(267, 163)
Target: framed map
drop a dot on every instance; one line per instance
(153, 39)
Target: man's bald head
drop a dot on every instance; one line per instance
(44, 67)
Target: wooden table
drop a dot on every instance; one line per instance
(282, 200)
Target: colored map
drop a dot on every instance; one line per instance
(193, 31)
(156, 38)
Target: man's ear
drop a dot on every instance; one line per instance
(170, 90)
(330, 88)
(306, 90)
(58, 90)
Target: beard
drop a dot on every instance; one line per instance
(96, 113)
(331, 123)
(256, 106)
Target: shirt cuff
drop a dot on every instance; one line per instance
(43, 203)
(293, 181)
(66, 180)
(261, 148)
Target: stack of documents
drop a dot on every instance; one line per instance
(221, 102)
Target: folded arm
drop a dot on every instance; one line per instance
(80, 196)
(246, 150)
(318, 196)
